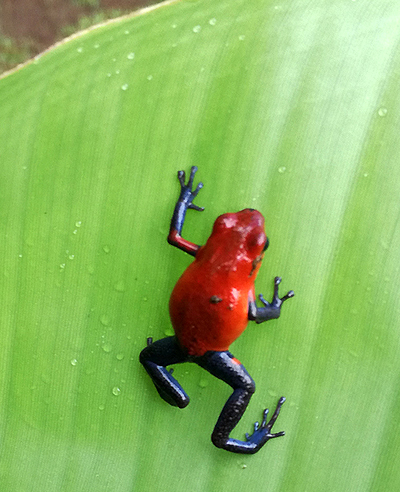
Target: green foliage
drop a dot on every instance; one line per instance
(292, 109)
(11, 53)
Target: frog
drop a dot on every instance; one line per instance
(210, 306)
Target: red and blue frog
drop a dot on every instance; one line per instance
(210, 307)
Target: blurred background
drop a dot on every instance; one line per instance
(27, 27)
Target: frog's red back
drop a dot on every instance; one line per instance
(209, 304)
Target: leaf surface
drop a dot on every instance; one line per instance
(290, 109)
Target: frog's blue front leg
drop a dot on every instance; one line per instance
(271, 310)
(185, 201)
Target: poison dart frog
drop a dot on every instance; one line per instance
(209, 308)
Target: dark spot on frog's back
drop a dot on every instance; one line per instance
(215, 299)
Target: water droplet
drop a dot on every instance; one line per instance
(62, 266)
(78, 223)
(109, 74)
(107, 347)
(117, 72)
(197, 29)
(282, 169)
(149, 77)
(71, 257)
(131, 56)
(116, 391)
(106, 249)
(120, 286)
(203, 383)
(365, 175)
(242, 37)
(74, 362)
(79, 50)
(104, 319)
(101, 407)
(126, 32)
(96, 46)
(75, 231)
(174, 26)
(212, 21)
(120, 356)
(382, 111)
(124, 87)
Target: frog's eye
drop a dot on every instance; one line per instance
(257, 242)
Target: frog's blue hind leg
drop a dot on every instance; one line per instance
(225, 367)
(155, 357)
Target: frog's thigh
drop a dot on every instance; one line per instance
(224, 366)
(164, 352)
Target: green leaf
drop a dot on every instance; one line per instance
(289, 108)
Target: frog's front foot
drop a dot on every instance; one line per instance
(276, 300)
(187, 194)
(262, 433)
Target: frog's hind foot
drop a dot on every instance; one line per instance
(262, 432)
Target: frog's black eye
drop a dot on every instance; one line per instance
(266, 244)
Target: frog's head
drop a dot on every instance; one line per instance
(239, 239)
(243, 230)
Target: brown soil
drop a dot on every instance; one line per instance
(39, 23)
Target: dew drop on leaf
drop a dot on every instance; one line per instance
(382, 111)
(107, 347)
(104, 319)
(120, 286)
